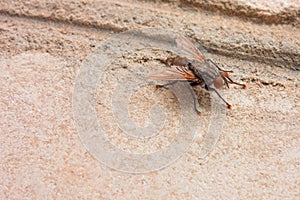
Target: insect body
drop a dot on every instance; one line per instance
(195, 68)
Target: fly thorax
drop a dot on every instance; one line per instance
(204, 71)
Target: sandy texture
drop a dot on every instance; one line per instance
(256, 10)
(43, 45)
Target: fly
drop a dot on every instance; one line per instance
(195, 68)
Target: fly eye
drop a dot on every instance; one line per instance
(218, 82)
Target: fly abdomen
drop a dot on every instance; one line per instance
(177, 60)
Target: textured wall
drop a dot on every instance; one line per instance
(44, 44)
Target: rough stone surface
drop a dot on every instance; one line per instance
(43, 44)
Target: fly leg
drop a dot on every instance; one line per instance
(217, 66)
(226, 75)
(165, 85)
(213, 89)
(233, 82)
(195, 101)
(191, 90)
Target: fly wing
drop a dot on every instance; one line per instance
(189, 49)
(179, 73)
